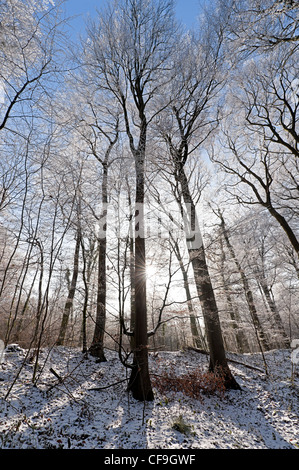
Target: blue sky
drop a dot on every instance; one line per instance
(187, 10)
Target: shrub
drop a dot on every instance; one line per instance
(193, 384)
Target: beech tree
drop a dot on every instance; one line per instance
(263, 160)
(260, 145)
(192, 118)
(101, 138)
(131, 126)
(29, 36)
(129, 48)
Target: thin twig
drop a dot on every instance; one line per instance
(98, 389)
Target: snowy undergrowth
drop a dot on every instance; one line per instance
(71, 414)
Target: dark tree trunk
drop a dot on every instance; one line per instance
(96, 348)
(88, 257)
(132, 272)
(85, 302)
(140, 384)
(211, 317)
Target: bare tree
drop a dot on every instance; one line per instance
(99, 129)
(129, 50)
(192, 118)
(263, 158)
(260, 148)
(29, 37)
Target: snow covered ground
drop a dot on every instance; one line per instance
(71, 415)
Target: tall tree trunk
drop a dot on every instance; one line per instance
(204, 288)
(89, 257)
(97, 346)
(96, 349)
(85, 305)
(71, 294)
(40, 306)
(140, 384)
(132, 271)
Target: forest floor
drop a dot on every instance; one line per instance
(63, 411)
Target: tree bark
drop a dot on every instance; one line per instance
(132, 272)
(89, 259)
(140, 384)
(97, 346)
(96, 349)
